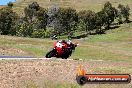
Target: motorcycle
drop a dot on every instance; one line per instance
(62, 53)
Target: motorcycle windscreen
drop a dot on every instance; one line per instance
(55, 44)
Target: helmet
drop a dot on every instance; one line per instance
(69, 42)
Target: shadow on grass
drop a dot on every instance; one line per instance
(114, 26)
(80, 36)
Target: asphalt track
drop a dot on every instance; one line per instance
(20, 58)
(16, 57)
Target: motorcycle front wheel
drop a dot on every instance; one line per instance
(50, 54)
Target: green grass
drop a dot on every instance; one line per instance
(114, 45)
(111, 46)
(34, 47)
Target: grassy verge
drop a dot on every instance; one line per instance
(115, 45)
(47, 84)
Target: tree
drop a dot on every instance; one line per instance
(124, 12)
(36, 18)
(7, 20)
(10, 4)
(110, 14)
(53, 22)
(31, 11)
(68, 19)
(89, 18)
(42, 18)
(100, 22)
(62, 20)
(120, 17)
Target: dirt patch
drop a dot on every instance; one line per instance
(15, 74)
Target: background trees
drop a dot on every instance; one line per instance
(68, 18)
(10, 4)
(88, 18)
(110, 13)
(124, 12)
(53, 22)
(31, 11)
(34, 21)
(40, 22)
(42, 18)
(7, 21)
(100, 22)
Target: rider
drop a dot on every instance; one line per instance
(66, 44)
(62, 45)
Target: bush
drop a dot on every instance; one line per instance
(38, 34)
(24, 30)
(41, 33)
(7, 20)
(47, 33)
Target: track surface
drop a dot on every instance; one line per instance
(20, 58)
(16, 56)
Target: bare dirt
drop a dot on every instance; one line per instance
(16, 73)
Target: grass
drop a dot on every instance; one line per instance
(63, 85)
(47, 84)
(34, 47)
(114, 45)
(95, 5)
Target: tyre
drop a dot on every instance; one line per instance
(81, 80)
(65, 55)
(50, 54)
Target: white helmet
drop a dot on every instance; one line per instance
(69, 42)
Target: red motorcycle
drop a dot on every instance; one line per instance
(62, 51)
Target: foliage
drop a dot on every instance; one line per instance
(110, 13)
(88, 18)
(42, 18)
(124, 11)
(7, 20)
(100, 22)
(41, 33)
(24, 29)
(10, 4)
(31, 11)
(37, 21)
(68, 19)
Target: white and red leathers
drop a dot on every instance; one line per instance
(60, 46)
